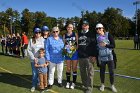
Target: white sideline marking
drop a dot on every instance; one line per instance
(124, 76)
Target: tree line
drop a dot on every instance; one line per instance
(11, 21)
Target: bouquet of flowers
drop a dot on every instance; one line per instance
(103, 39)
(69, 49)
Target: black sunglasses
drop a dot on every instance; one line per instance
(37, 32)
(55, 31)
(98, 28)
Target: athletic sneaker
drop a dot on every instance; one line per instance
(102, 87)
(72, 86)
(68, 85)
(113, 88)
(42, 91)
(32, 89)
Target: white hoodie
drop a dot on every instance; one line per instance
(33, 48)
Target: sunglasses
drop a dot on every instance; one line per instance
(98, 28)
(37, 32)
(55, 31)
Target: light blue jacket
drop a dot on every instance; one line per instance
(53, 50)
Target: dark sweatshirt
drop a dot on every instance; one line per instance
(87, 44)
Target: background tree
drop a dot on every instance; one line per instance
(27, 21)
(11, 21)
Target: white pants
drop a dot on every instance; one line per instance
(52, 67)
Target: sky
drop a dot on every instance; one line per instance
(69, 8)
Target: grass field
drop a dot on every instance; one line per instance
(15, 73)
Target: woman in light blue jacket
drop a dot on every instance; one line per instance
(35, 43)
(53, 46)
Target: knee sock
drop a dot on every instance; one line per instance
(68, 76)
(74, 77)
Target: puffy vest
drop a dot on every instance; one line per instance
(104, 53)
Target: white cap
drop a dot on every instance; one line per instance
(99, 25)
(55, 28)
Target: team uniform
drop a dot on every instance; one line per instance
(68, 40)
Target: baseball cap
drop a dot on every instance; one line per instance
(45, 28)
(85, 22)
(99, 25)
(36, 30)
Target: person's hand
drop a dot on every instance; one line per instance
(35, 60)
(42, 65)
(102, 44)
(92, 59)
(47, 63)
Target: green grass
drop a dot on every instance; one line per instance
(16, 73)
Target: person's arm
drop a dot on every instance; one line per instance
(47, 50)
(46, 64)
(30, 51)
(36, 63)
(76, 39)
(94, 48)
(64, 39)
(112, 41)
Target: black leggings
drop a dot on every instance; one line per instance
(111, 71)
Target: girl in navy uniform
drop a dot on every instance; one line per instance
(71, 57)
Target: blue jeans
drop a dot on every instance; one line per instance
(34, 75)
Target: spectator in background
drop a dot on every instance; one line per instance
(13, 44)
(24, 44)
(35, 43)
(3, 43)
(53, 47)
(8, 43)
(136, 41)
(18, 44)
(45, 32)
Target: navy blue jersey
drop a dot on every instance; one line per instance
(70, 39)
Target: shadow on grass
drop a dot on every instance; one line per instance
(16, 80)
(15, 56)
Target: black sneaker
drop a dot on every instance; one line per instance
(50, 86)
(60, 85)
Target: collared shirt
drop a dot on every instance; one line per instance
(85, 31)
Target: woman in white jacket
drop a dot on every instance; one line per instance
(35, 43)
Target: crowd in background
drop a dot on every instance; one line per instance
(14, 44)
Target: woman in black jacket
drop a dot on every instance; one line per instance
(105, 44)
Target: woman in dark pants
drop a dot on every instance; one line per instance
(105, 43)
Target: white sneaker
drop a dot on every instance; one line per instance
(102, 87)
(68, 85)
(113, 88)
(72, 86)
(32, 89)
